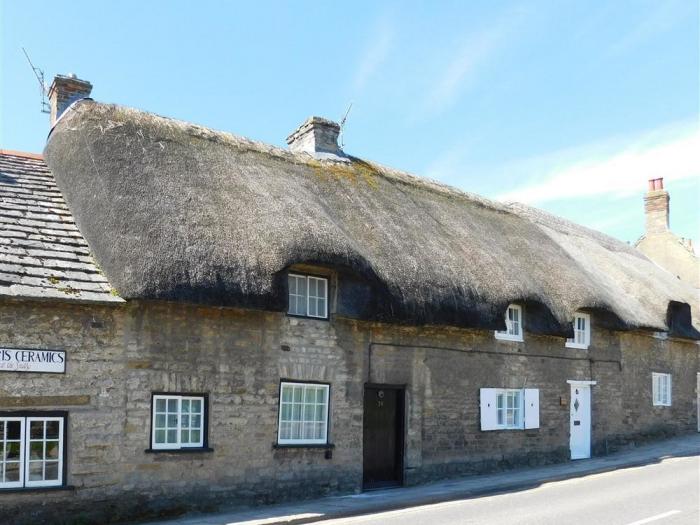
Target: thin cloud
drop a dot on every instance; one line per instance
(462, 70)
(660, 19)
(670, 152)
(611, 220)
(375, 54)
(445, 166)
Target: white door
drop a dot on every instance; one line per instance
(697, 394)
(580, 421)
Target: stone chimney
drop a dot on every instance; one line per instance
(316, 136)
(64, 90)
(656, 207)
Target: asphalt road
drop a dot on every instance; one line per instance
(660, 494)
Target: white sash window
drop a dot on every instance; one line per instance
(514, 324)
(178, 422)
(582, 332)
(303, 413)
(308, 296)
(31, 451)
(661, 389)
(509, 408)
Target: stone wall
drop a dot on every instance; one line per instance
(672, 253)
(118, 356)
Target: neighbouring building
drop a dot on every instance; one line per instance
(660, 244)
(191, 319)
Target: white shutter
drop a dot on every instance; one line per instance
(655, 388)
(532, 408)
(489, 413)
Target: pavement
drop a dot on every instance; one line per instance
(337, 507)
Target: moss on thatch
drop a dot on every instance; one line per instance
(179, 212)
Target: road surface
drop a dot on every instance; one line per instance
(659, 494)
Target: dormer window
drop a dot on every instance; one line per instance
(308, 296)
(514, 324)
(582, 332)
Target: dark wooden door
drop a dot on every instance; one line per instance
(383, 437)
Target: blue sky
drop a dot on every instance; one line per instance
(569, 106)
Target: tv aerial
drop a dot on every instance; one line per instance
(342, 124)
(45, 107)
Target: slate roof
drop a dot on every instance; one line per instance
(42, 253)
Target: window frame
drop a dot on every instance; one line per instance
(505, 335)
(657, 397)
(518, 424)
(204, 428)
(26, 417)
(304, 442)
(306, 277)
(571, 343)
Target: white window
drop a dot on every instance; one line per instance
(303, 414)
(661, 389)
(308, 296)
(582, 332)
(178, 422)
(31, 451)
(509, 408)
(514, 324)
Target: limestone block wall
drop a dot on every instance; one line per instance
(643, 355)
(118, 356)
(668, 251)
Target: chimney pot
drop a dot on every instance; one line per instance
(316, 136)
(656, 184)
(64, 90)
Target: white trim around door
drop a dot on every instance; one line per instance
(580, 419)
(697, 395)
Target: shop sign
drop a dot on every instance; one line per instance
(32, 360)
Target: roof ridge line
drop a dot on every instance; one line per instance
(237, 140)
(23, 154)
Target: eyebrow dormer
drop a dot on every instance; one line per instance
(514, 324)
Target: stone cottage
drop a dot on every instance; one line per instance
(660, 244)
(191, 319)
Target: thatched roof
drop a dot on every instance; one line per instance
(175, 211)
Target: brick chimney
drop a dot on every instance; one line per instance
(316, 136)
(656, 207)
(64, 90)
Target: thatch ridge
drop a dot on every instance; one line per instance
(246, 144)
(176, 211)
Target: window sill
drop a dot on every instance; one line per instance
(178, 450)
(577, 346)
(297, 316)
(324, 446)
(662, 406)
(66, 488)
(514, 338)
